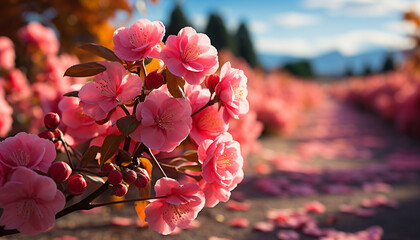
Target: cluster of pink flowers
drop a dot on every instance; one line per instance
(153, 104)
(394, 96)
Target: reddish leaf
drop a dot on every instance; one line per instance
(141, 205)
(127, 124)
(175, 84)
(89, 155)
(100, 51)
(85, 70)
(110, 147)
(72, 94)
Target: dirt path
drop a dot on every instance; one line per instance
(338, 156)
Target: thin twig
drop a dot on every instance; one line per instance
(125, 201)
(156, 161)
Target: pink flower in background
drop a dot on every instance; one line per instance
(17, 85)
(138, 41)
(165, 121)
(30, 202)
(6, 119)
(222, 160)
(27, 150)
(110, 87)
(7, 53)
(232, 91)
(42, 37)
(190, 55)
(79, 125)
(178, 209)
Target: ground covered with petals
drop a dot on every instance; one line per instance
(344, 174)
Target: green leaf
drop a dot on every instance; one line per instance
(194, 168)
(90, 155)
(100, 51)
(175, 84)
(72, 94)
(110, 147)
(85, 70)
(127, 124)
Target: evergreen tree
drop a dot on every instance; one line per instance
(348, 72)
(367, 71)
(301, 68)
(388, 64)
(244, 45)
(217, 32)
(176, 22)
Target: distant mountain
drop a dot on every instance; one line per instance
(334, 63)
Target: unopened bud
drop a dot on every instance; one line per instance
(154, 80)
(59, 171)
(47, 134)
(142, 178)
(130, 176)
(51, 121)
(119, 190)
(212, 81)
(115, 177)
(76, 184)
(107, 168)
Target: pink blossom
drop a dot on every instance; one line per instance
(7, 53)
(110, 87)
(138, 41)
(315, 207)
(27, 150)
(165, 121)
(239, 222)
(178, 209)
(264, 226)
(79, 125)
(18, 86)
(221, 158)
(190, 55)
(216, 193)
(232, 91)
(6, 119)
(30, 202)
(42, 37)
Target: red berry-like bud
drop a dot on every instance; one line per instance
(59, 171)
(119, 190)
(76, 184)
(107, 168)
(51, 121)
(154, 80)
(58, 133)
(58, 144)
(130, 176)
(47, 134)
(142, 178)
(212, 81)
(115, 177)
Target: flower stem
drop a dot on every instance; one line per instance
(124, 201)
(156, 161)
(209, 103)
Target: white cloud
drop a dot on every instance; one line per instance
(363, 8)
(295, 19)
(401, 27)
(199, 21)
(350, 43)
(259, 27)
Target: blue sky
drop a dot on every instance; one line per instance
(304, 28)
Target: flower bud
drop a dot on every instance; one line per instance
(59, 171)
(119, 190)
(107, 168)
(76, 184)
(154, 80)
(51, 121)
(130, 176)
(47, 134)
(115, 177)
(58, 133)
(142, 178)
(212, 81)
